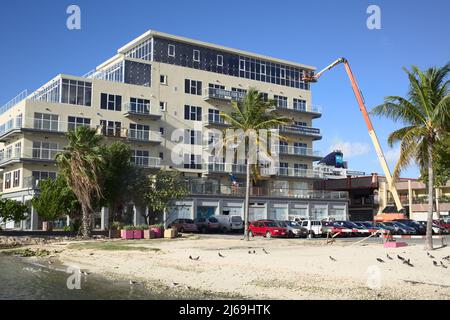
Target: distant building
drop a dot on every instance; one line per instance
(369, 196)
(333, 166)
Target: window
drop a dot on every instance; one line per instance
(171, 50)
(17, 149)
(163, 105)
(163, 79)
(300, 148)
(161, 155)
(139, 131)
(192, 87)
(75, 122)
(141, 106)
(282, 102)
(196, 55)
(111, 102)
(299, 104)
(283, 147)
(9, 152)
(42, 175)
(161, 129)
(192, 113)
(45, 121)
(140, 157)
(76, 92)
(219, 60)
(300, 169)
(265, 96)
(300, 124)
(192, 161)
(45, 150)
(284, 168)
(8, 180)
(111, 128)
(16, 178)
(192, 137)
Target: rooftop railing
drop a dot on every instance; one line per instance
(11, 103)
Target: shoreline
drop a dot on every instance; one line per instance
(292, 269)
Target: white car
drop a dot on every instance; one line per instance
(314, 227)
(230, 223)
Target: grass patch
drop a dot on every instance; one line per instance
(111, 246)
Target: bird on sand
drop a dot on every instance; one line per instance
(380, 260)
(220, 255)
(401, 258)
(435, 263)
(443, 265)
(388, 256)
(190, 257)
(332, 259)
(133, 282)
(446, 258)
(408, 262)
(85, 273)
(430, 255)
(175, 284)
(265, 251)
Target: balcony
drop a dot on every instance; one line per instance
(301, 130)
(147, 162)
(214, 189)
(221, 94)
(211, 119)
(134, 109)
(296, 173)
(315, 111)
(143, 136)
(38, 155)
(299, 151)
(217, 167)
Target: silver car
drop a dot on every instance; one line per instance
(293, 228)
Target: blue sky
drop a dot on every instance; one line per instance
(36, 45)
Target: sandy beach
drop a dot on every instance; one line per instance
(279, 268)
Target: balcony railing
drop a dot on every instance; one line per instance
(146, 162)
(300, 107)
(239, 191)
(299, 151)
(297, 173)
(145, 136)
(222, 94)
(141, 109)
(36, 154)
(214, 119)
(301, 130)
(218, 167)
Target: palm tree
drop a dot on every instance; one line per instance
(250, 115)
(425, 112)
(80, 163)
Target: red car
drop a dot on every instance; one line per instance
(266, 228)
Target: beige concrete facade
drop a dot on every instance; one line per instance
(165, 115)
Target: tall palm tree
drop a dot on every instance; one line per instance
(425, 112)
(250, 115)
(81, 163)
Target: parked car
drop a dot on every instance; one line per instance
(333, 228)
(266, 228)
(400, 228)
(369, 225)
(210, 224)
(420, 229)
(229, 223)
(353, 226)
(293, 228)
(446, 222)
(183, 225)
(435, 228)
(386, 227)
(441, 224)
(314, 227)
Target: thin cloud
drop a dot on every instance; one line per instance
(392, 155)
(351, 149)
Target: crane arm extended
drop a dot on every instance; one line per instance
(372, 134)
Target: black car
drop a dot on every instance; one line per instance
(420, 229)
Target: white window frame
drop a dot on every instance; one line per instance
(171, 46)
(193, 55)
(261, 69)
(221, 60)
(165, 79)
(163, 105)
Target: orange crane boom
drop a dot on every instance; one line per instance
(372, 134)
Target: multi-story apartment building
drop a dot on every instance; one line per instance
(155, 86)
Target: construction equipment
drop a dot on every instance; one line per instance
(313, 78)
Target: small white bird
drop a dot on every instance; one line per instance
(133, 282)
(86, 273)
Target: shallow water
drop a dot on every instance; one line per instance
(20, 279)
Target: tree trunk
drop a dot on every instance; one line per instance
(429, 237)
(86, 223)
(247, 204)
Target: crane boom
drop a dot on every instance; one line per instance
(372, 134)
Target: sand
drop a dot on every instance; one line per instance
(292, 268)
